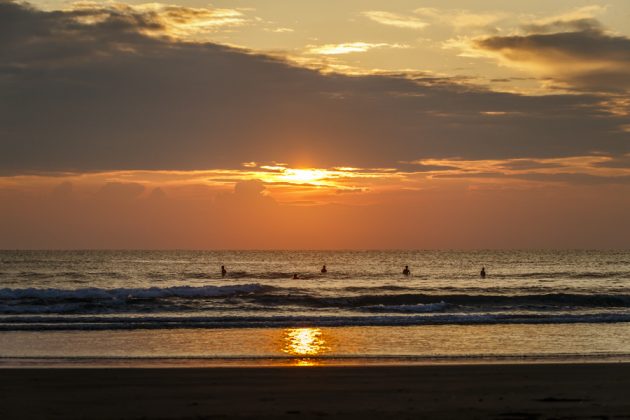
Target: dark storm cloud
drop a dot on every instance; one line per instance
(577, 52)
(102, 96)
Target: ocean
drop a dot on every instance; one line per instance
(104, 306)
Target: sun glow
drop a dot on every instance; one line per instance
(304, 175)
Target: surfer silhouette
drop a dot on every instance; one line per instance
(483, 272)
(223, 271)
(406, 271)
(324, 271)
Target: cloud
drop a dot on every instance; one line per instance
(250, 188)
(350, 47)
(578, 53)
(577, 170)
(581, 18)
(247, 197)
(618, 162)
(563, 178)
(394, 19)
(120, 191)
(557, 26)
(161, 19)
(280, 30)
(106, 95)
(525, 164)
(460, 19)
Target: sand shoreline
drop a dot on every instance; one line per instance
(381, 361)
(505, 391)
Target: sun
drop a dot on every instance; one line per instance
(304, 175)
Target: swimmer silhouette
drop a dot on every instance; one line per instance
(483, 272)
(324, 269)
(406, 271)
(223, 271)
(295, 276)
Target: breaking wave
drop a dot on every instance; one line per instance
(93, 293)
(45, 323)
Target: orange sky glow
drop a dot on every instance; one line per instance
(242, 125)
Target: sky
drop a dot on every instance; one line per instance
(278, 124)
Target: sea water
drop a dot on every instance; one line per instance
(176, 305)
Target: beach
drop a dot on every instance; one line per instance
(314, 209)
(160, 335)
(498, 391)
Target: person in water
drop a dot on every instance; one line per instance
(223, 271)
(324, 271)
(296, 277)
(483, 272)
(406, 271)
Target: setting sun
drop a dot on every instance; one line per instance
(304, 175)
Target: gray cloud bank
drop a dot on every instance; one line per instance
(103, 95)
(578, 52)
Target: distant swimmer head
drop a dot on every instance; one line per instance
(406, 271)
(324, 269)
(483, 272)
(223, 270)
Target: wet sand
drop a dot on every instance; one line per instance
(541, 391)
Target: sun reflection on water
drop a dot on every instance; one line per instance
(305, 344)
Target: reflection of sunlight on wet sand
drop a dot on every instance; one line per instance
(304, 343)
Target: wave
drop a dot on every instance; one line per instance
(562, 275)
(43, 275)
(462, 300)
(341, 275)
(188, 298)
(392, 288)
(43, 323)
(280, 275)
(428, 307)
(174, 274)
(94, 293)
(163, 360)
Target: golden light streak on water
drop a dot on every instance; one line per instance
(305, 343)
